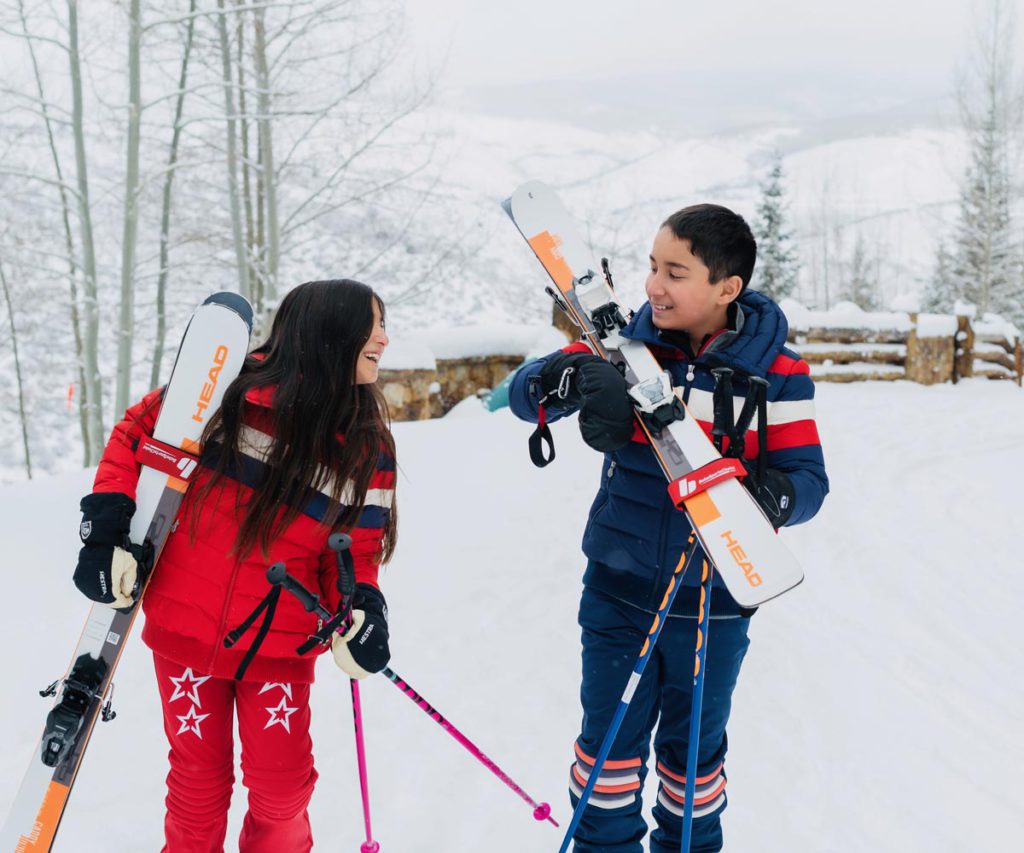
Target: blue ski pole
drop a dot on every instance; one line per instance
(697, 701)
(634, 680)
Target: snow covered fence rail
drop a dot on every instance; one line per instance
(989, 347)
(847, 344)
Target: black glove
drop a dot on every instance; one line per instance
(107, 564)
(364, 647)
(773, 492)
(596, 386)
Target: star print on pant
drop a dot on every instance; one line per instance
(280, 713)
(277, 760)
(187, 685)
(190, 722)
(270, 685)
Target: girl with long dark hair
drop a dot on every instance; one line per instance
(299, 448)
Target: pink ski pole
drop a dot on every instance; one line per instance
(278, 576)
(368, 846)
(541, 811)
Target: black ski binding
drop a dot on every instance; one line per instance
(64, 722)
(606, 317)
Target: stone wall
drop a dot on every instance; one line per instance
(408, 393)
(415, 395)
(459, 378)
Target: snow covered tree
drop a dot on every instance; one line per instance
(986, 262)
(860, 277)
(776, 272)
(942, 289)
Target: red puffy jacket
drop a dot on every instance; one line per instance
(200, 591)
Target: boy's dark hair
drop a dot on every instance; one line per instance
(720, 238)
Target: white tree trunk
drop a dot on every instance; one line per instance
(90, 341)
(17, 374)
(230, 117)
(165, 211)
(267, 157)
(69, 242)
(126, 319)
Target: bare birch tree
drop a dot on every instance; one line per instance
(126, 318)
(166, 195)
(22, 417)
(90, 337)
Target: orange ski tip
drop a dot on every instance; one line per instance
(546, 247)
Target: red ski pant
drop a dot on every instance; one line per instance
(277, 761)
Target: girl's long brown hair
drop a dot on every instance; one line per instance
(328, 431)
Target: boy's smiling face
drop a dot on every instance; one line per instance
(680, 290)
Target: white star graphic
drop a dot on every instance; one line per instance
(270, 685)
(284, 711)
(190, 688)
(190, 722)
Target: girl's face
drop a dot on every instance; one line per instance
(368, 364)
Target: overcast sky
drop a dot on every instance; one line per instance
(519, 41)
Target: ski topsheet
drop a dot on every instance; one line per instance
(752, 560)
(209, 358)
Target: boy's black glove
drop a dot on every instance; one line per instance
(107, 568)
(363, 649)
(773, 492)
(596, 386)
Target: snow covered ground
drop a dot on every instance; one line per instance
(880, 706)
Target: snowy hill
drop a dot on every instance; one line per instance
(880, 706)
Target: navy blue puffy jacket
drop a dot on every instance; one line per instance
(634, 535)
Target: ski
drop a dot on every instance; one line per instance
(752, 560)
(210, 356)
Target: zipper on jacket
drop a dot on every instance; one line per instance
(611, 468)
(658, 588)
(690, 375)
(222, 627)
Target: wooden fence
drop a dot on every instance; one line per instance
(921, 348)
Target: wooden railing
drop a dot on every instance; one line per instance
(923, 348)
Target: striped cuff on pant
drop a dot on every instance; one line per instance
(709, 795)
(617, 786)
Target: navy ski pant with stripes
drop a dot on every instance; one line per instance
(613, 634)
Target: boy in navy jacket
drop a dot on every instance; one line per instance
(699, 315)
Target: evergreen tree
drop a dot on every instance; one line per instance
(860, 277)
(776, 272)
(942, 290)
(985, 267)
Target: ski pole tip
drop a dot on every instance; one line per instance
(543, 812)
(369, 847)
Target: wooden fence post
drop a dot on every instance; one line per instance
(963, 364)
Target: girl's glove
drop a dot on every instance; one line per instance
(363, 648)
(108, 562)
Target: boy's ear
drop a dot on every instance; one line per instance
(732, 288)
